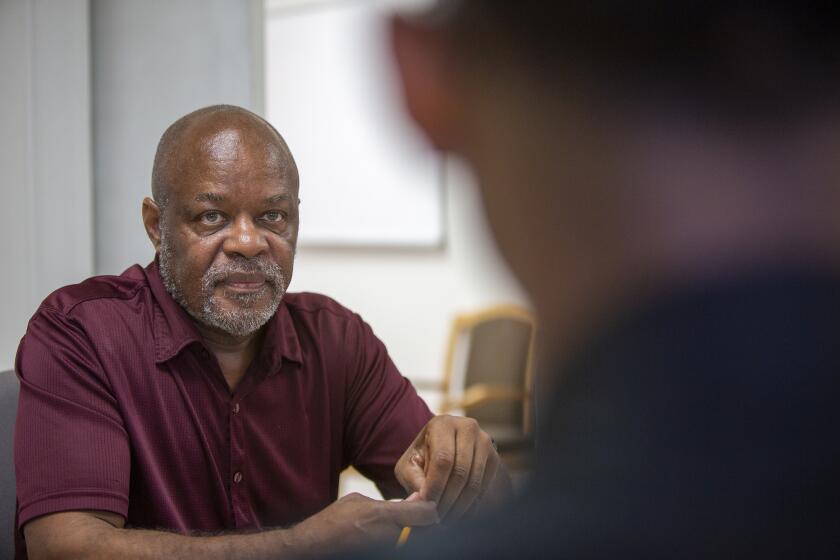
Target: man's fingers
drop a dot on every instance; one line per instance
(483, 470)
(466, 437)
(459, 464)
(410, 470)
(490, 470)
(412, 513)
(440, 459)
(410, 475)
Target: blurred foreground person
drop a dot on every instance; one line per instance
(664, 179)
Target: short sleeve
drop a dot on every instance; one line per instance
(383, 411)
(71, 448)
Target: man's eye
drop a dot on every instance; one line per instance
(273, 216)
(211, 218)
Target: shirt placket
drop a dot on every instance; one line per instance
(238, 481)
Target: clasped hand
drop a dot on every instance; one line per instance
(452, 463)
(447, 470)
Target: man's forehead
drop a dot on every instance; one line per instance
(235, 144)
(227, 157)
(198, 186)
(225, 146)
(219, 197)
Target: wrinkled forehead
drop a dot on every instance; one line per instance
(231, 155)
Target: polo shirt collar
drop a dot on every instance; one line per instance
(174, 329)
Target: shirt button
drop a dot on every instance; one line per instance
(236, 408)
(237, 477)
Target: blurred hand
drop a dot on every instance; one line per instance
(451, 462)
(357, 521)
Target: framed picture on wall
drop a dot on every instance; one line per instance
(367, 178)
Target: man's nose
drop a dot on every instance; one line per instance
(245, 239)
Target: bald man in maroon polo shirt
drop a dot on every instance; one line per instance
(196, 397)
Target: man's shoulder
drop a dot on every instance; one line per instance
(310, 303)
(325, 318)
(103, 289)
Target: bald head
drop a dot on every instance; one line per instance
(215, 135)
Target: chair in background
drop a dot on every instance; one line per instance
(488, 376)
(8, 410)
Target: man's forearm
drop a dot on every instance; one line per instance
(82, 535)
(352, 521)
(138, 544)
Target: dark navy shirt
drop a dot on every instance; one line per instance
(701, 423)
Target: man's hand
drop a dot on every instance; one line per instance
(356, 521)
(451, 462)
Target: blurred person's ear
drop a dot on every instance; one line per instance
(426, 76)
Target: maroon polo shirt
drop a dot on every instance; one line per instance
(122, 408)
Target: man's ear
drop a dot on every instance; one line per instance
(425, 71)
(151, 221)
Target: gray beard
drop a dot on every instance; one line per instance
(239, 322)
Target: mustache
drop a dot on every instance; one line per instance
(219, 273)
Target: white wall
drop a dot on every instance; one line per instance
(45, 157)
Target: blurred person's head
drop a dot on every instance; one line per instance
(224, 217)
(622, 145)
